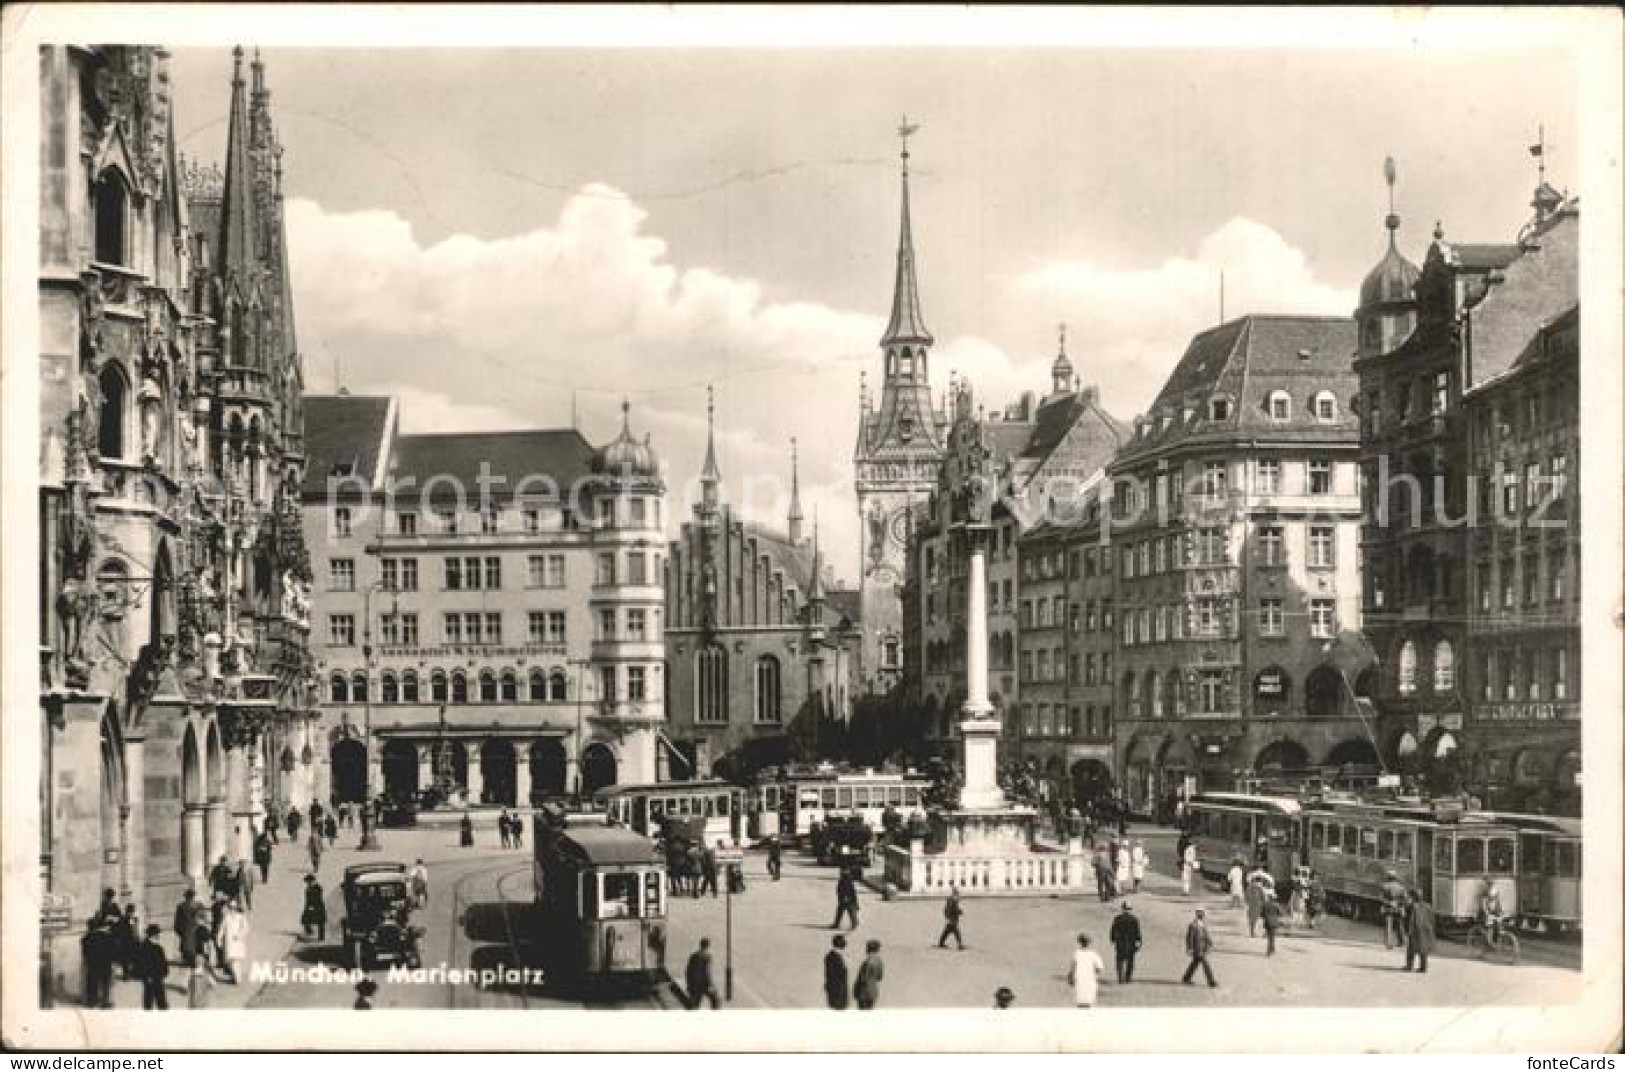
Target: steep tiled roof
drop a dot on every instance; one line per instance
(1245, 361)
(537, 461)
(343, 435)
(1484, 254)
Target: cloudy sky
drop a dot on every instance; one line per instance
(494, 234)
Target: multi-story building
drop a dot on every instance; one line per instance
(1067, 639)
(1014, 470)
(763, 650)
(899, 449)
(1469, 411)
(174, 668)
(1236, 524)
(488, 615)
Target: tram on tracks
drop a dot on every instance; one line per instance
(804, 798)
(1452, 853)
(1550, 883)
(645, 806)
(601, 900)
(1258, 830)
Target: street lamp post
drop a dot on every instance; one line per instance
(369, 836)
(581, 691)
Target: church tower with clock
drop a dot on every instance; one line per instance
(899, 449)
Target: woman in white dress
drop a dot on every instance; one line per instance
(1138, 861)
(1125, 867)
(234, 940)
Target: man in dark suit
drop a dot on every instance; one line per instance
(1125, 937)
(1198, 943)
(835, 991)
(1419, 933)
(152, 968)
(846, 900)
(951, 913)
(697, 977)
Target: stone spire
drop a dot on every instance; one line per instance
(238, 223)
(795, 517)
(906, 325)
(1061, 372)
(711, 475)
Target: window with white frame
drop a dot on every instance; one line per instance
(1271, 618)
(1320, 476)
(1279, 405)
(341, 575)
(1322, 546)
(341, 630)
(1325, 405)
(1271, 546)
(342, 520)
(1269, 476)
(406, 523)
(1322, 618)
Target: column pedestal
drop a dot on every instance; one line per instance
(521, 773)
(476, 775)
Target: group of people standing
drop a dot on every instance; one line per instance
(1119, 867)
(511, 829)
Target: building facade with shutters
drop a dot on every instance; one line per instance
(1236, 522)
(174, 672)
(488, 608)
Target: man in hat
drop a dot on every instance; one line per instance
(97, 951)
(1419, 933)
(1270, 913)
(1393, 911)
(1003, 998)
(835, 992)
(951, 913)
(701, 985)
(364, 990)
(866, 990)
(1125, 937)
(314, 916)
(152, 968)
(1198, 944)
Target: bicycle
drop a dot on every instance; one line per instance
(1506, 945)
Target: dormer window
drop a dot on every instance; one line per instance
(1218, 409)
(1325, 406)
(906, 429)
(1279, 406)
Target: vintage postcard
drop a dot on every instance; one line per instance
(913, 529)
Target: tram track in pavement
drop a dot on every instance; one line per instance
(505, 869)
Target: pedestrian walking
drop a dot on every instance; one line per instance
(1270, 913)
(126, 937)
(1419, 932)
(1255, 904)
(313, 918)
(775, 858)
(1103, 873)
(1198, 945)
(1393, 911)
(245, 885)
(97, 953)
(697, 977)
(693, 861)
(293, 824)
(271, 825)
(1085, 973)
(330, 826)
(185, 927)
(866, 990)
(1125, 939)
(233, 941)
(952, 912)
(835, 992)
(516, 830)
(223, 877)
(314, 846)
(1314, 902)
(1187, 866)
(846, 900)
(1237, 879)
(152, 968)
(263, 850)
(418, 878)
(1292, 896)
(1125, 868)
(502, 829)
(708, 870)
(1137, 864)
(217, 916)
(466, 832)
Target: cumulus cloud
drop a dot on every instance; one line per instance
(528, 330)
(1129, 326)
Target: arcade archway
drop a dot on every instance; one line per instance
(547, 769)
(348, 760)
(399, 762)
(1091, 781)
(1281, 755)
(598, 768)
(498, 773)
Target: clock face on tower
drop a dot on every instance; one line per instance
(899, 526)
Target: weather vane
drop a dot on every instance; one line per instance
(905, 130)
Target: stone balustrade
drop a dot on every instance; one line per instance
(921, 874)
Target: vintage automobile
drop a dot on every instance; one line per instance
(378, 916)
(846, 841)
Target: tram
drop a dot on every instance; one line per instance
(809, 797)
(601, 901)
(1258, 830)
(643, 806)
(1549, 877)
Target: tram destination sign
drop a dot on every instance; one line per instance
(1527, 712)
